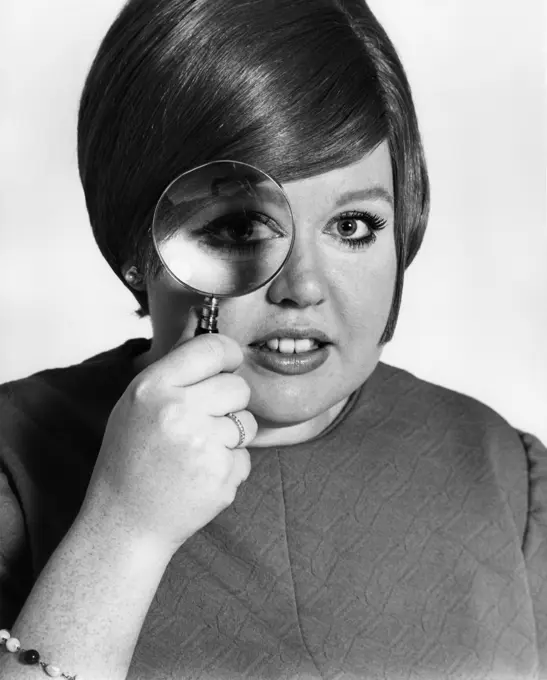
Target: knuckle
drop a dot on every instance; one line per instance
(241, 387)
(169, 413)
(195, 441)
(251, 425)
(142, 389)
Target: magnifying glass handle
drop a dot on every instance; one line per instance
(209, 316)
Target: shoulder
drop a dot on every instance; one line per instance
(444, 410)
(59, 404)
(463, 432)
(65, 384)
(67, 378)
(441, 406)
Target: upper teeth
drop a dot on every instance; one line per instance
(290, 345)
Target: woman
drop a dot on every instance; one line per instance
(215, 506)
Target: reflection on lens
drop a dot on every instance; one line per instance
(223, 229)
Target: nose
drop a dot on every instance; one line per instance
(300, 283)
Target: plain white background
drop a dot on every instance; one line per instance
(474, 314)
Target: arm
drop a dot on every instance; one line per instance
(168, 464)
(88, 605)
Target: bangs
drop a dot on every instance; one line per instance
(270, 83)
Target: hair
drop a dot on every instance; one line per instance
(294, 87)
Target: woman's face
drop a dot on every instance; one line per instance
(339, 280)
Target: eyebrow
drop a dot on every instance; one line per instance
(373, 192)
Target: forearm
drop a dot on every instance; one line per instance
(88, 605)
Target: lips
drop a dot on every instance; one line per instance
(265, 358)
(289, 364)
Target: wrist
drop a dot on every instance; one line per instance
(105, 532)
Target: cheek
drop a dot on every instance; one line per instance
(363, 293)
(169, 305)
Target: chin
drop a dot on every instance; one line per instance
(285, 406)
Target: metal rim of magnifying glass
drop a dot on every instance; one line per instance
(197, 290)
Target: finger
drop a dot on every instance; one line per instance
(220, 394)
(241, 468)
(229, 432)
(193, 359)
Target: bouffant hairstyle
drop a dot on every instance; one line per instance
(294, 87)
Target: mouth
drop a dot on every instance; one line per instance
(292, 340)
(291, 351)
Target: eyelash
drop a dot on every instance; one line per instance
(250, 248)
(373, 222)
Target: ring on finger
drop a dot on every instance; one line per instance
(239, 426)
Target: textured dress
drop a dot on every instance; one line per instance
(408, 540)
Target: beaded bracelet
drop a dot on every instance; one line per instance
(30, 657)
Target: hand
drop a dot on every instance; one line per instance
(168, 463)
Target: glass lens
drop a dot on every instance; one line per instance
(223, 229)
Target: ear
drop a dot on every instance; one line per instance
(133, 277)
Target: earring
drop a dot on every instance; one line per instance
(133, 276)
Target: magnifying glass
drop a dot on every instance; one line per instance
(222, 230)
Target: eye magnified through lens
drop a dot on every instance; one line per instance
(223, 229)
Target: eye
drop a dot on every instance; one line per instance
(242, 227)
(244, 233)
(355, 229)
